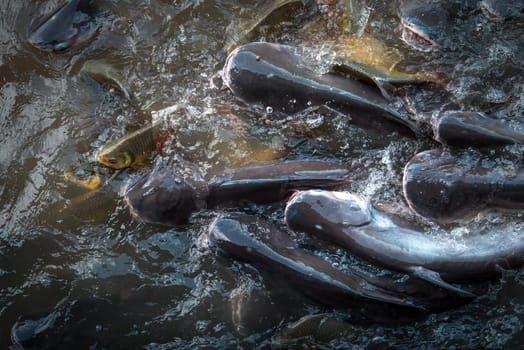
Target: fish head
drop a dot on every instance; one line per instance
(68, 25)
(160, 198)
(430, 25)
(268, 74)
(321, 210)
(500, 10)
(84, 176)
(115, 158)
(423, 24)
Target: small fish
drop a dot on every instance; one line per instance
(102, 71)
(71, 23)
(84, 177)
(369, 59)
(129, 150)
(321, 327)
(245, 31)
(356, 16)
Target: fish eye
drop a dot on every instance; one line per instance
(61, 46)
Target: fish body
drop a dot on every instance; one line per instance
(273, 75)
(449, 186)
(246, 31)
(428, 25)
(274, 182)
(353, 224)
(248, 239)
(499, 10)
(367, 56)
(162, 197)
(102, 71)
(321, 327)
(474, 129)
(70, 24)
(129, 150)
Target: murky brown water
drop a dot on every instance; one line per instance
(114, 282)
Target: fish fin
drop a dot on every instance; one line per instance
(500, 269)
(435, 278)
(384, 87)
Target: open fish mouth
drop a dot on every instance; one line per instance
(417, 39)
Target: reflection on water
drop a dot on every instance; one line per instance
(78, 259)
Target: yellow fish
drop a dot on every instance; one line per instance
(370, 59)
(85, 177)
(129, 150)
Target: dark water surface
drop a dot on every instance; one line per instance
(107, 280)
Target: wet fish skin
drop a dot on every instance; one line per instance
(273, 75)
(163, 198)
(274, 182)
(377, 239)
(159, 198)
(321, 327)
(70, 24)
(426, 25)
(251, 240)
(129, 150)
(500, 10)
(246, 31)
(101, 70)
(449, 186)
(473, 129)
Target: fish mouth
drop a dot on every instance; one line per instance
(226, 70)
(417, 38)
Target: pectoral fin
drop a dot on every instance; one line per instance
(434, 278)
(384, 86)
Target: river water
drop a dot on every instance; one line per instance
(105, 280)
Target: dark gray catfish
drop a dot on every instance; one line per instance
(499, 10)
(449, 186)
(162, 197)
(429, 25)
(249, 239)
(72, 23)
(348, 221)
(274, 75)
(474, 129)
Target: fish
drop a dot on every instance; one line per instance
(270, 183)
(102, 71)
(355, 225)
(85, 177)
(427, 25)
(255, 241)
(70, 24)
(320, 327)
(473, 129)
(129, 150)
(368, 59)
(356, 16)
(449, 186)
(273, 75)
(246, 31)
(500, 10)
(162, 197)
